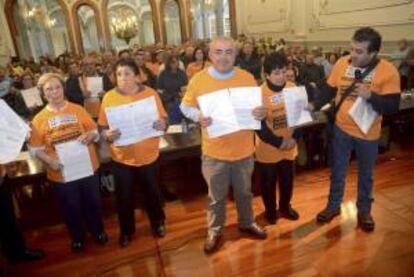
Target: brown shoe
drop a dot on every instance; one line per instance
(212, 242)
(366, 222)
(254, 230)
(327, 215)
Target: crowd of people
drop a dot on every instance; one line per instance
(176, 77)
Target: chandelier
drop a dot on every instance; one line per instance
(124, 24)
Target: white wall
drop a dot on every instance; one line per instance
(327, 23)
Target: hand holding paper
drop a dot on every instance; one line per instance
(363, 114)
(296, 104)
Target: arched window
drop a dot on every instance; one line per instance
(210, 18)
(86, 19)
(172, 22)
(40, 28)
(130, 22)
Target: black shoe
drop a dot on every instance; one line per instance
(271, 219)
(77, 246)
(290, 214)
(366, 222)
(102, 238)
(29, 255)
(254, 230)
(159, 230)
(327, 215)
(212, 243)
(124, 240)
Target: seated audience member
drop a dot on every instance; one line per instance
(172, 83)
(250, 61)
(73, 91)
(92, 102)
(147, 78)
(200, 62)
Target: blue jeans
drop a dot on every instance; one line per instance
(366, 153)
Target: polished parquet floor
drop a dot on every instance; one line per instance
(300, 248)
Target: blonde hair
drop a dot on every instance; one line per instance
(47, 77)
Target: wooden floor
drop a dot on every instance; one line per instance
(300, 248)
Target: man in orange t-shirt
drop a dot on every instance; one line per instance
(227, 159)
(380, 89)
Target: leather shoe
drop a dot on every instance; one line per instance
(212, 243)
(290, 214)
(366, 222)
(159, 230)
(254, 230)
(271, 218)
(77, 246)
(124, 240)
(327, 215)
(28, 255)
(102, 238)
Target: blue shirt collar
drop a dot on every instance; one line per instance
(220, 75)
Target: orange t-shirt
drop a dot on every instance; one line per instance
(140, 153)
(230, 147)
(193, 68)
(277, 122)
(384, 79)
(154, 67)
(50, 128)
(91, 104)
(2, 171)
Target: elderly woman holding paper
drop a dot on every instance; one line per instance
(134, 140)
(63, 136)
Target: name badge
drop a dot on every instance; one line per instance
(62, 120)
(276, 98)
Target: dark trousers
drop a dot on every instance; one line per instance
(269, 174)
(127, 179)
(80, 203)
(11, 239)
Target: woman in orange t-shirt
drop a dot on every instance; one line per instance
(276, 152)
(200, 62)
(137, 162)
(63, 122)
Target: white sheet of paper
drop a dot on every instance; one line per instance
(175, 129)
(362, 114)
(218, 106)
(13, 132)
(134, 120)
(296, 100)
(76, 161)
(244, 100)
(32, 97)
(94, 85)
(163, 143)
